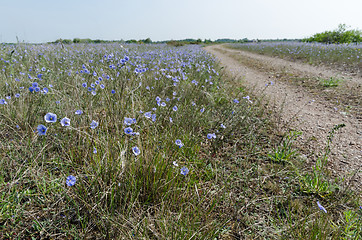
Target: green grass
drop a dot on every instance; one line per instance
(331, 82)
(244, 184)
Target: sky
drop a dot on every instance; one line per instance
(40, 21)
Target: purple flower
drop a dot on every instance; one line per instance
(71, 180)
(41, 130)
(247, 98)
(179, 143)
(321, 207)
(136, 151)
(50, 118)
(128, 130)
(65, 122)
(148, 114)
(78, 112)
(93, 124)
(184, 171)
(211, 135)
(128, 121)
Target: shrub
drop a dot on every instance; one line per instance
(340, 35)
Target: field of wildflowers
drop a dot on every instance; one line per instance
(345, 57)
(150, 142)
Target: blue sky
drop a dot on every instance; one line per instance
(48, 20)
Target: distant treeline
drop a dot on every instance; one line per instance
(148, 41)
(340, 35)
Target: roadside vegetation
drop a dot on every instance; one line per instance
(343, 57)
(153, 142)
(338, 36)
(343, 95)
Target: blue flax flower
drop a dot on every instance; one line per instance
(50, 117)
(78, 112)
(136, 151)
(148, 114)
(71, 180)
(45, 90)
(65, 122)
(128, 130)
(179, 143)
(211, 135)
(321, 207)
(41, 130)
(128, 121)
(184, 171)
(93, 124)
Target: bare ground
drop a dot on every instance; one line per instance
(305, 107)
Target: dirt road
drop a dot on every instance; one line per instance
(304, 108)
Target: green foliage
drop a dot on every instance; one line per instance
(131, 41)
(175, 43)
(340, 35)
(285, 152)
(64, 41)
(331, 82)
(318, 181)
(147, 40)
(352, 224)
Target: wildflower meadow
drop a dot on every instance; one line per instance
(137, 141)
